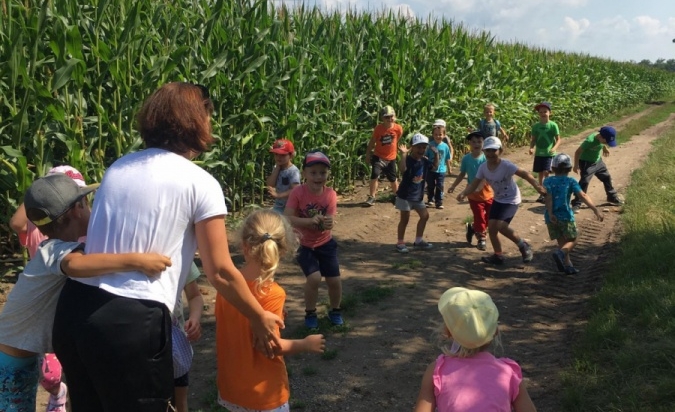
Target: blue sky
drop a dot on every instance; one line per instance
(617, 29)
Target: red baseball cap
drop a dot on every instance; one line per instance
(282, 146)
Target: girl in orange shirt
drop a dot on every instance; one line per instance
(247, 379)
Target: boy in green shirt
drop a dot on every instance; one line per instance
(545, 136)
(588, 160)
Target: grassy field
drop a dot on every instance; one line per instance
(624, 360)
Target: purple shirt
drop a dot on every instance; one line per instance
(477, 384)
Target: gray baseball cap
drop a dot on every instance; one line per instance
(54, 195)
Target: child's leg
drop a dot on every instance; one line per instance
(375, 174)
(390, 173)
(603, 175)
(330, 269)
(312, 283)
(180, 393)
(566, 245)
(422, 223)
(586, 172)
(18, 382)
(480, 217)
(493, 231)
(440, 181)
(334, 284)
(51, 374)
(431, 186)
(402, 224)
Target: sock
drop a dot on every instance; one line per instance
(418, 239)
(401, 242)
(521, 243)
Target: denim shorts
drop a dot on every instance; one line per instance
(18, 383)
(321, 259)
(503, 211)
(542, 164)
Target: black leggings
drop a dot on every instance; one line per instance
(115, 351)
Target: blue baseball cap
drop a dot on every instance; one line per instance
(609, 133)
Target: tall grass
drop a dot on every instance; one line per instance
(74, 73)
(624, 362)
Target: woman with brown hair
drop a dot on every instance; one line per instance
(113, 333)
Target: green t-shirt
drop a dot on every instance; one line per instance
(591, 149)
(545, 135)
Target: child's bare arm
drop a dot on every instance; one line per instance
(549, 208)
(193, 326)
(457, 181)
(558, 140)
(577, 153)
(19, 221)
(587, 199)
(523, 402)
(533, 142)
(503, 134)
(306, 222)
(272, 178)
(310, 344)
(369, 149)
(426, 400)
(404, 154)
(78, 265)
(524, 174)
(469, 189)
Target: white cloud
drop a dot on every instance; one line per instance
(575, 28)
(650, 26)
(573, 3)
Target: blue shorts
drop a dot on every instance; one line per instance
(321, 259)
(407, 205)
(18, 383)
(542, 164)
(502, 211)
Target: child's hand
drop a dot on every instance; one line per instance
(531, 151)
(575, 169)
(552, 218)
(599, 215)
(605, 151)
(193, 329)
(151, 264)
(451, 189)
(461, 196)
(315, 343)
(541, 190)
(272, 191)
(317, 222)
(328, 222)
(403, 148)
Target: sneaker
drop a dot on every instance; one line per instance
(494, 259)
(615, 200)
(429, 203)
(422, 245)
(402, 248)
(469, 232)
(559, 258)
(481, 244)
(439, 206)
(571, 270)
(58, 403)
(541, 199)
(370, 201)
(311, 320)
(526, 252)
(335, 317)
(575, 208)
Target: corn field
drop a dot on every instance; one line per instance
(73, 74)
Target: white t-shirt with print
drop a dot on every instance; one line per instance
(150, 201)
(501, 179)
(27, 318)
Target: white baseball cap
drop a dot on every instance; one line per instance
(492, 143)
(419, 138)
(561, 160)
(439, 122)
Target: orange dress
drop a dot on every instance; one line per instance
(245, 376)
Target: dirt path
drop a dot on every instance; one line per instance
(376, 363)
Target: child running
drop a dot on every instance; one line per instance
(480, 201)
(467, 376)
(248, 380)
(410, 194)
(436, 177)
(285, 175)
(310, 209)
(545, 139)
(559, 216)
(499, 173)
(381, 152)
(59, 208)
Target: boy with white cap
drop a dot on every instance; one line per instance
(559, 216)
(60, 210)
(410, 193)
(436, 177)
(467, 376)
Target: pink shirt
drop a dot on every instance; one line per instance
(307, 204)
(477, 384)
(31, 239)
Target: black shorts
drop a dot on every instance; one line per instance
(388, 167)
(322, 259)
(542, 164)
(503, 211)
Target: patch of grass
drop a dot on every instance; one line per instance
(309, 371)
(624, 359)
(408, 264)
(468, 219)
(526, 189)
(376, 294)
(296, 404)
(329, 354)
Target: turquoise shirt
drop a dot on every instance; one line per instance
(443, 155)
(561, 189)
(470, 165)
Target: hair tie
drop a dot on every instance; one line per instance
(266, 236)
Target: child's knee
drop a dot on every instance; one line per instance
(313, 279)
